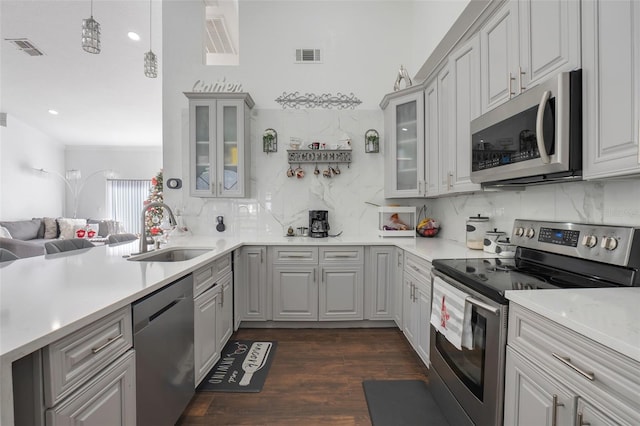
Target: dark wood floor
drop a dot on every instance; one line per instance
(315, 379)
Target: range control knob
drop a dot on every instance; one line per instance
(519, 232)
(590, 241)
(530, 233)
(609, 243)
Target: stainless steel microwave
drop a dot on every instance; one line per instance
(533, 138)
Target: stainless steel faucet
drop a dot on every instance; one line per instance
(143, 237)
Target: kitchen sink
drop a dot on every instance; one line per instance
(174, 254)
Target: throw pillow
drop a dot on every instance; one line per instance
(50, 228)
(4, 232)
(92, 230)
(67, 227)
(23, 229)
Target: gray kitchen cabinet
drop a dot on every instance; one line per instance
(398, 287)
(85, 377)
(107, 399)
(219, 155)
(295, 293)
(611, 88)
(294, 278)
(404, 142)
(252, 284)
(524, 43)
(341, 287)
(380, 286)
(417, 304)
(317, 284)
(206, 345)
(213, 313)
(554, 376)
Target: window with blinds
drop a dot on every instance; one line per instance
(125, 199)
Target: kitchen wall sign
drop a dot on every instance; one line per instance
(311, 100)
(217, 87)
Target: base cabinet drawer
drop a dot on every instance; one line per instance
(107, 399)
(75, 358)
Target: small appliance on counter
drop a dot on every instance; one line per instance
(318, 223)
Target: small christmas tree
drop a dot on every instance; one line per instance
(153, 216)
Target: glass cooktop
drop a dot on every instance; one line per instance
(492, 277)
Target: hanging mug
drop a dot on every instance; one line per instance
(299, 173)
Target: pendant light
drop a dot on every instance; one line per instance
(91, 34)
(150, 58)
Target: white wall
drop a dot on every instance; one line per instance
(25, 193)
(363, 45)
(124, 162)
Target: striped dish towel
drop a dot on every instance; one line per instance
(451, 314)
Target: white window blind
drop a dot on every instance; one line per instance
(125, 199)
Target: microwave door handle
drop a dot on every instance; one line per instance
(539, 127)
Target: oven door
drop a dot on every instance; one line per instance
(473, 378)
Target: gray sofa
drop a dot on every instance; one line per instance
(29, 236)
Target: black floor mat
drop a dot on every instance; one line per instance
(401, 403)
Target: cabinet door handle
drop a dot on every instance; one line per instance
(321, 274)
(415, 268)
(220, 187)
(510, 81)
(314, 275)
(295, 256)
(413, 292)
(222, 296)
(554, 412)
(399, 262)
(580, 421)
(261, 261)
(338, 256)
(449, 180)
(109, 342)
(520, 74)
(638, 141)
(567, 361)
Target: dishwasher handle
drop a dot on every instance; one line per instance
(143, 323)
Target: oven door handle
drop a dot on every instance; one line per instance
(483, 305)
(544, 156)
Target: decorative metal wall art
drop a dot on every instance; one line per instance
(311, 100)
(371, 141)
(403, 74)
(270, 141)
(319, 156)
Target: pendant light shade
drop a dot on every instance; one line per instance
(150, 58)
(150, 64)
(91, 34)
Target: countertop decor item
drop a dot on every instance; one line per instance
(477, 227)
(371, 141)
(311, 100)
(427, 226)
(270, 141)
(394, 221)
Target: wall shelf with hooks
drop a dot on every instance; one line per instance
(301, 156)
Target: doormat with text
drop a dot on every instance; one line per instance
(243, 367)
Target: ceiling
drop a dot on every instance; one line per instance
(102, 99)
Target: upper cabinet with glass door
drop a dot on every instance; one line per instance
(219, 144)
(404, 142)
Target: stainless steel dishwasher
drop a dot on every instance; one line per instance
(163, 340)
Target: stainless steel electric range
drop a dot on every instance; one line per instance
(468, 384)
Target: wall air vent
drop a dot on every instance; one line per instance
(308, 56)
(26, 46)
(217, 38)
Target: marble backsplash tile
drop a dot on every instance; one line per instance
(278, 201)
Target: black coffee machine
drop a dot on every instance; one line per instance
(318, 223)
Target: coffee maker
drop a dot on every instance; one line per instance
(318, 223)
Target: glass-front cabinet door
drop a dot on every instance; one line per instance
(404, 121)
(219, 145)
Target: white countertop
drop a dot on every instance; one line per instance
(43, 299)
(609, 316)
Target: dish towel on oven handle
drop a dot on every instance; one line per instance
(451, 314)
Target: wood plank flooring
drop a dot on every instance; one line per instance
(315, 379)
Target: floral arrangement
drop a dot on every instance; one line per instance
(153, 216)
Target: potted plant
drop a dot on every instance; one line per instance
(269, 141)
(372, 139)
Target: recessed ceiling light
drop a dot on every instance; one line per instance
(53, 112)
(133, 36)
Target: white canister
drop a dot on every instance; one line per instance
(505, 248)
(477, 226)
(491, 240)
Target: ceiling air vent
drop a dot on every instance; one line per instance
(308, 56)
(26, 46)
